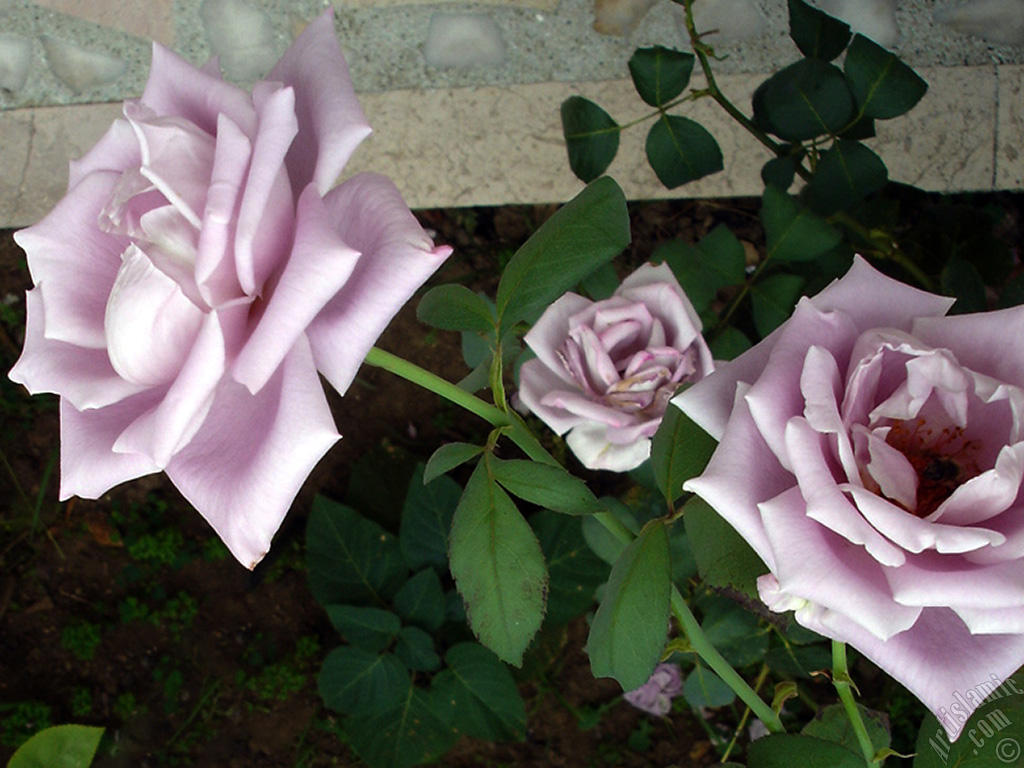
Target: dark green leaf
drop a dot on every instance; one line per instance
(883, 86)
(702, 270)
(371, 629)
(1013, 293)
(724, 559)
(454, 307)
(734, 631)
(601, 283)
(774, 299)
(788, 749)
(60, 746)
(591, 136)
(799, 660)
(680, 450)
(356, 680)
(815, 33)
(703, 688)
(448, 457)
(415, 649)
(862, 128)
(604, 543)
(378, 484)
(660, 74)
(846, 174)
(793, 232)
(575, 572)
(482, 696)
(779, 172)
(426, 520)
(993, 737)
(350, 559)
(588, 231)
(805, 100)
(959, 278)
(681, 150)
(833, 724)
(421, 600)
(730, 343)
(629, 629)
(404, 736)
(545, 485)
(498, 567)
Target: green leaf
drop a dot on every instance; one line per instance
(404, 736)
(846, 174)
(805, 100)
(703, 688)
(959, 278)
(498, 567)
(60, 746)
(371, 629)
(426, 520)
(800, 660)
(883, 86)
(415, 649)
(586, 232)
(774, 299)
(993, 737)
(681, 150)
(779, 172)
(574, 571)
(601, 283)
(591, 136)
(789, 749)
(483, 699)
(545, 485)
(421, 600)
(833, 724)
(680, 450)
(660, 74)
(728, 344)
(703, 269)
(815, 33)
(630, 627)
(356, 680)
(350, 559)
(724, 559)
(454, 307)
(602, 541)
(448, 457)
(792, 231)
(1013, 293)
(734, 631)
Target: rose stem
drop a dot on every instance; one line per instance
(844, 687)
(520, 434)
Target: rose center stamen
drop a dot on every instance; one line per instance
(943, 462)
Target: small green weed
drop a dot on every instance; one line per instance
(81, 639)
(21, 720)
(81, 702)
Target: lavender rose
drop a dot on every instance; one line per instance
(606, 370)
(655, 696)
(198, 274)
(871, 453)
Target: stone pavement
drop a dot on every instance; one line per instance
(464, 96)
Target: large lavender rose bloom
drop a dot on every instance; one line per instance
(198, 274)
(606, 370)
(871, 453)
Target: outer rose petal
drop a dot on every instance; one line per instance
(550, 331)
(116, 151)
(536, 381)
(397, 258)
(331, 120)
(88, 465)
(591, 445)
(242, 470)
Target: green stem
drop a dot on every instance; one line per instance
(520, 434)
(707, 651)
(844, 687)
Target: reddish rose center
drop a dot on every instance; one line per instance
(943, 461)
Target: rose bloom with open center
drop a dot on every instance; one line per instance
(871, 452)
(606, 370)
(197, 276)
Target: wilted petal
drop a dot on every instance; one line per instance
(75, 289)
(241, 471)
(82, 376)
(331, 121)
(397, 258)
(320, 264)
(88, 465)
